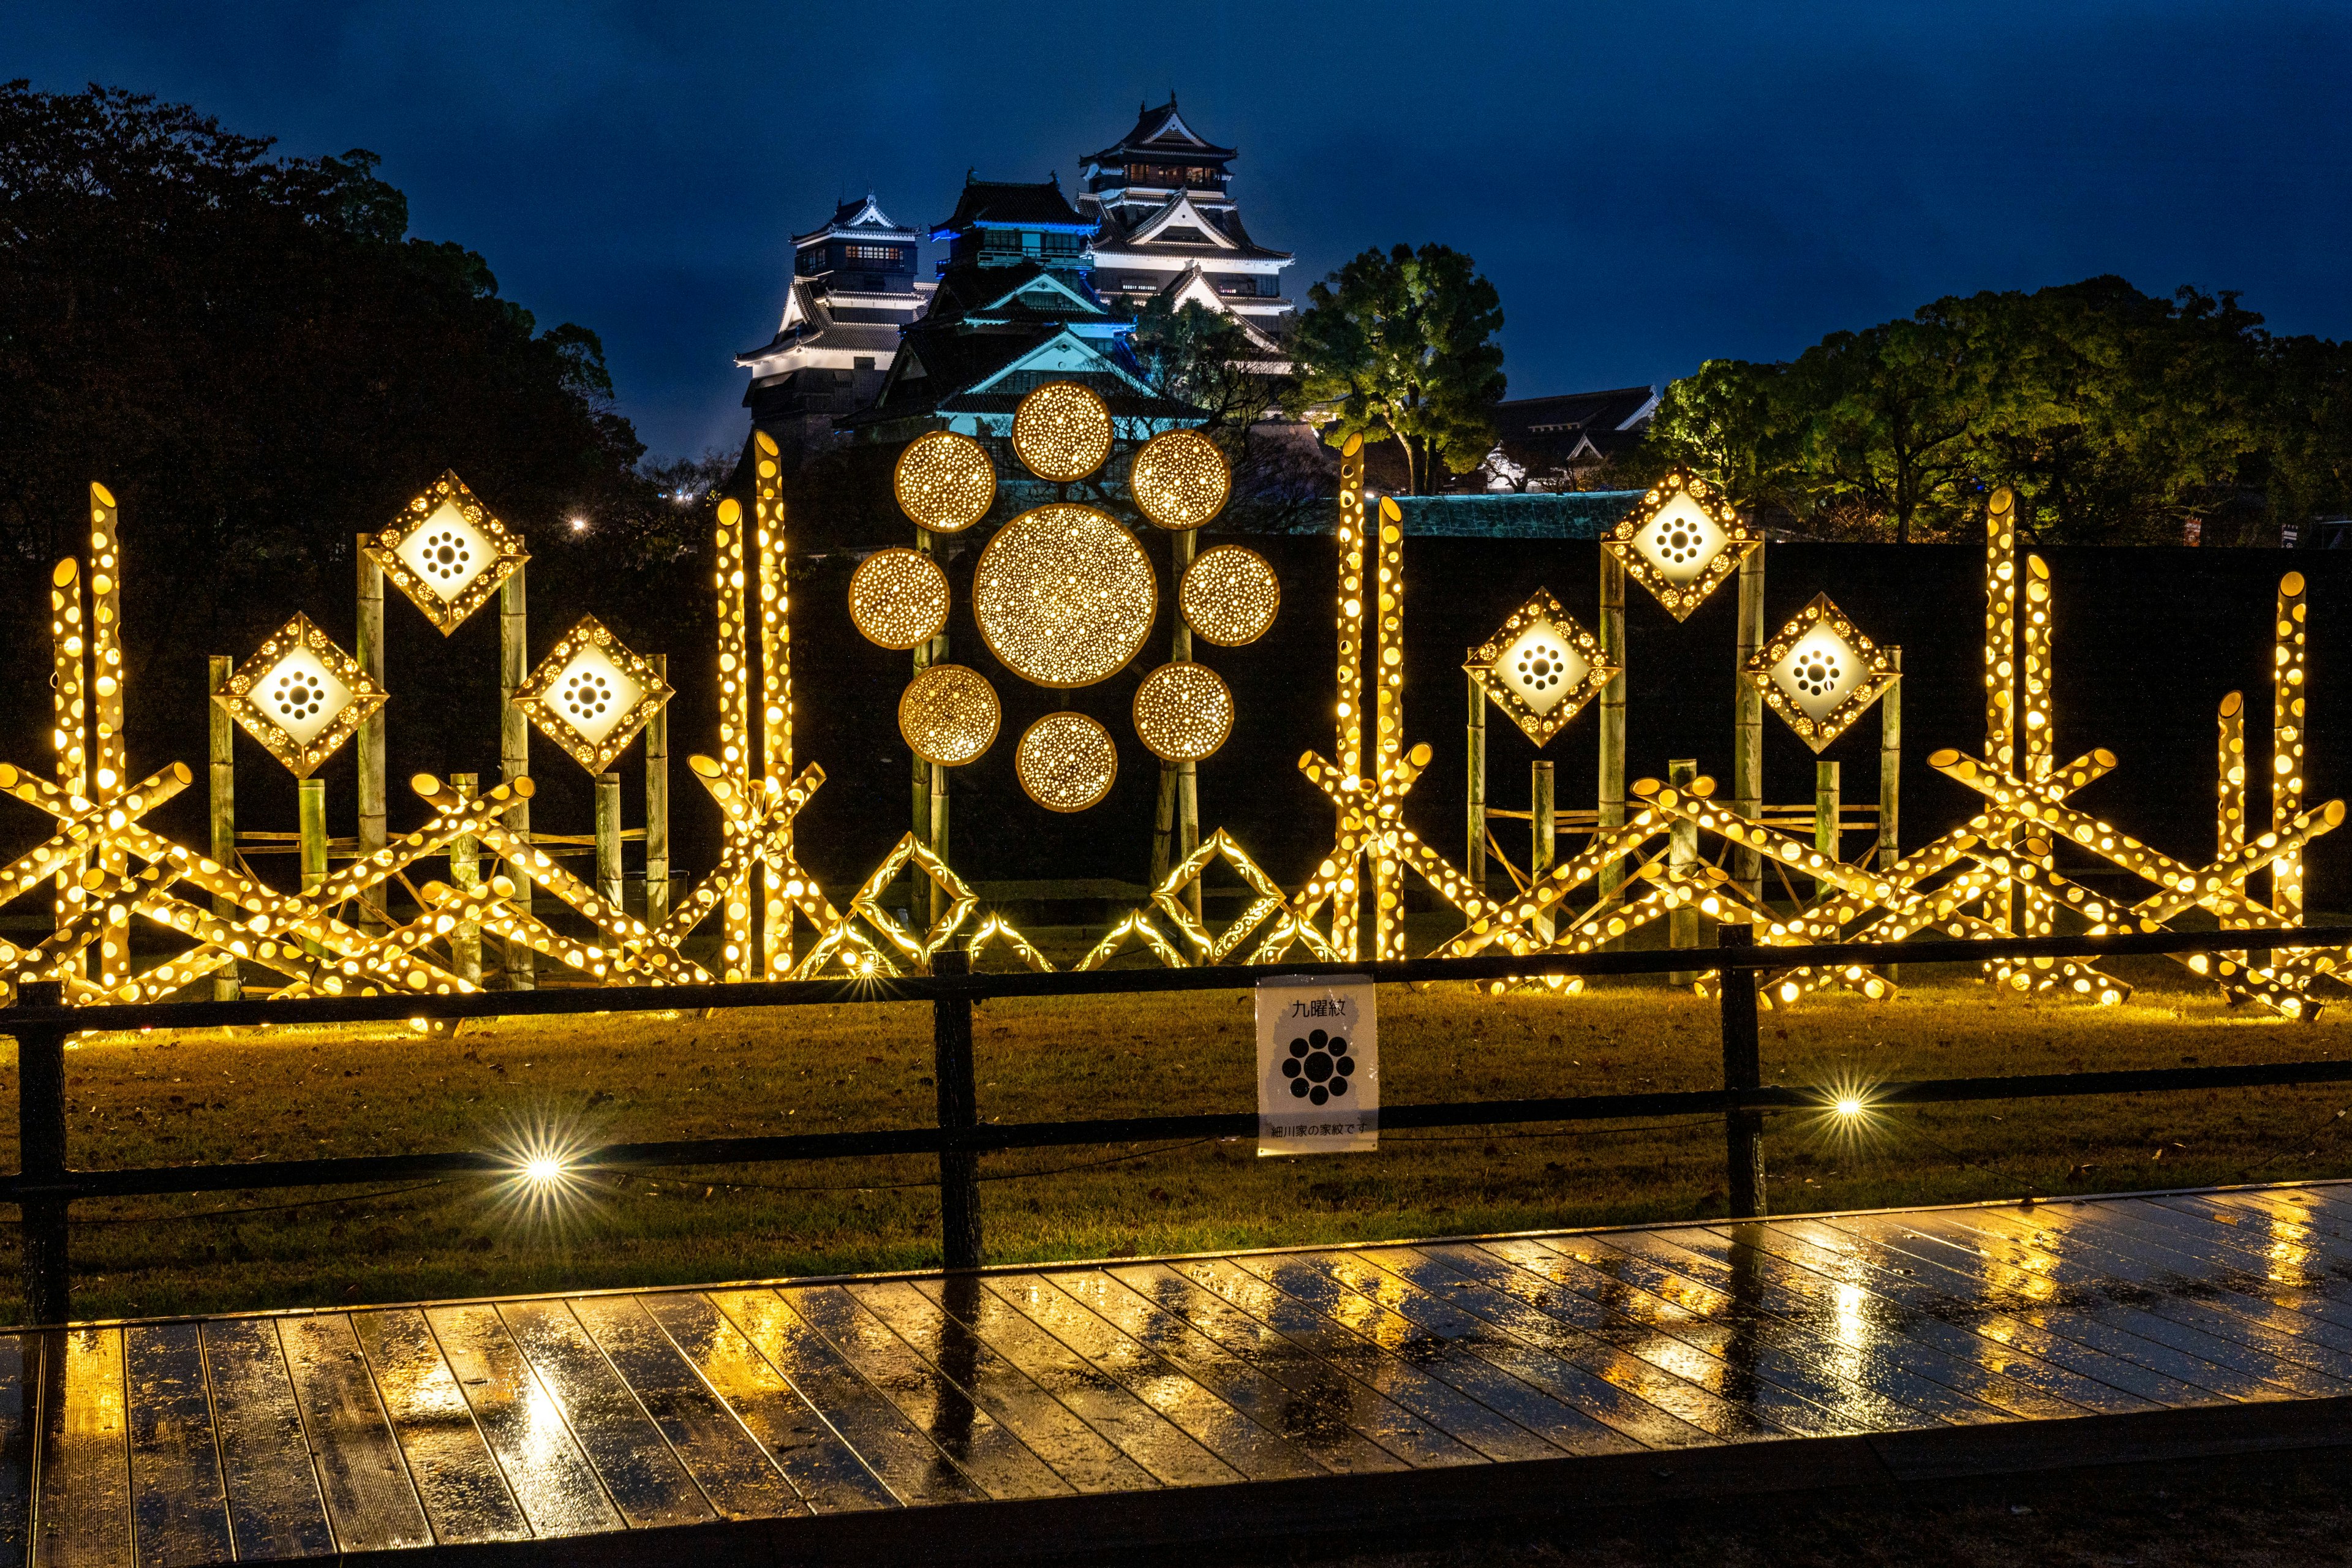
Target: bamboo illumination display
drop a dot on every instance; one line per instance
(303, 697)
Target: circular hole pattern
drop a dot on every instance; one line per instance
(1229, 595)
(1063, 595)
(899, 598)
(1541, 665)
(448, 554)
(1816, 672)
(1679, 543)
(948, 715)
(1062, 431)
(944, 481)
(298, 697)
(585, 697)
(1184, 712)
(1319, 1067)
(1065, 762)
(1180, 479)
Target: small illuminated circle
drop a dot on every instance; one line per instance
(1180, 479)
(298, 697)
(1849, 1107)
(1062, 431)
(944, 481)
(1229, 595)
(586, 695)
(948, 715)
(899, 598)
(1063, 595)
(1184, 712)
(542, 1170)
(1065, 762)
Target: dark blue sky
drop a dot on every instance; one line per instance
(1648, 184)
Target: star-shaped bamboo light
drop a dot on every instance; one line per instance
(1682, 542)
(300, 696)
(1820, 674)
(447, 553)
(1540, 668)
(591, 695)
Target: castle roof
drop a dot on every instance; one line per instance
(862, 219)
(1008, 203)
(1161, 133)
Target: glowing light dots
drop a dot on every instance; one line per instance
(899, 598)
(1681, 542)
(1063, 595)
(300, 696)
(591, 695)
(944, 481)
(447, 553)
(1229, 595)
(1184, 712)
(1062, 431)
(1541, 667)
(948, 715)
(1180, 479)
(1065, 762)
(1820, 674)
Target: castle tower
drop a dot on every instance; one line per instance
(854, 285)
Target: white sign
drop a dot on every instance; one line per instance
(1318, 1066)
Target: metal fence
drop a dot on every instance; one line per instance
(45, 1185)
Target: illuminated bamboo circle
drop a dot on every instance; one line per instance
(944, 481)
(899, 598)
(1184, 712)
(1062, 431)
(1229, 595)
(1180, 479)
(1063, 595)
(948, 715)
(1065, 762)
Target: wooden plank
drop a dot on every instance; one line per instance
(1192, 1407)
(632, 1458)
(725, 1461)
(371, 1503)
(1851, 1323)
(1477, 1426)
(1168, 1454)
(2255, 1258)
(179, 1511)
(2023, 1283)
(275, 1508)
(533, 1445)
(82, 1516)
(466, 1498)
(1308, 1422)
(1932, 1293)
(825, 1471)
(1538, 1390)
(1076, 1452)
(2285, 1235)
(891, 1446)
(2258, 1345)
(20, 1414)
(1716, 1417)
(983, 1447)
(1868, 1391)
(1667, 1335)
(1995, 1372)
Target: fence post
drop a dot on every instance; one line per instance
(41, 1143)
(959, 1109)
(1743, 1130)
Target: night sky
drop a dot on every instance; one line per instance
(1648, 185)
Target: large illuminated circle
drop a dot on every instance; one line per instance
(899, 598)
(944, 481)
(1180, 479)
(1062, 431)
(948, 715)
(1184, 712)
(1063, 595)
(1065, 762)
(1229, 595)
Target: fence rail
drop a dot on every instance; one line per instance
(45, 1185)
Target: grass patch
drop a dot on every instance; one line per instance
(162, 1099)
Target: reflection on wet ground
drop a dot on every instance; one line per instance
(273, 1439)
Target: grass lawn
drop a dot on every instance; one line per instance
(287, 1093)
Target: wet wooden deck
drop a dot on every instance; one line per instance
(1129, 1402)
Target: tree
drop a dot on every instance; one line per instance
(1402, 347)
(1719, 425)
(1208, 359)
(1889, 411)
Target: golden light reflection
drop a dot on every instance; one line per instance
(1063, 595)
(1180, 479)
(899, 598)
(944, 481)
(1062, 431)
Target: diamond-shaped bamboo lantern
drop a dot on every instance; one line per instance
(591, 695)
(1541, 667)
(300, 696)
(1681, 542)
(1820, 674)
(447, 553)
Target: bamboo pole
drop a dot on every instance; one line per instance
(775, 689)
(466, 874)
(110, 763)
(1611, 794)
(69, 704)
(1890, 767)
(1825, 817)
(608, 839)
(226, 984)
(2289, 720)
(926, 653)
(1347, 740)
(369, 743)
(1184, 545)
(1681, 855)
(938, 838)
(1747, 724)
(2229, 771)
(514, 755)
(312, 827)
(1473, 860)
(658, 804)
(1543, 835)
